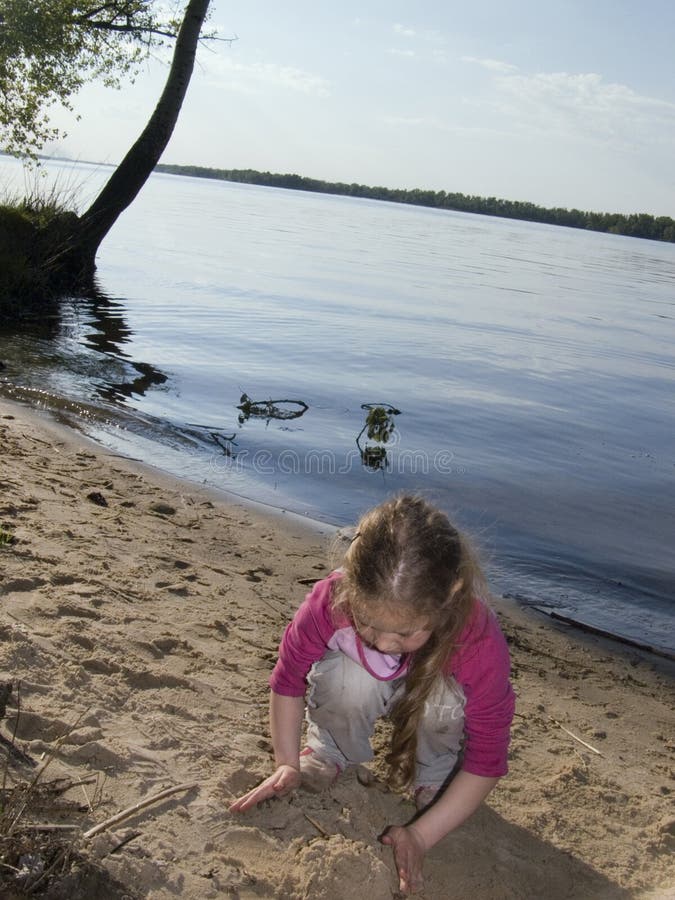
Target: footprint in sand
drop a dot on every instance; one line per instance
(255, 574)
(28, 726)
(162, 509)
(67, 609)
(178, 590)
(148, 681)
(168, 645)
(62, 579)
(100, 666)
(81, 641)
(97, 754)
(22, 585)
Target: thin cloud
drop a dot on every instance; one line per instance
(584, 103)
(494, 65)
(229, 74)
(412, 122)
(428, 45)
(423, 35)
(404, 31)
(436, 124)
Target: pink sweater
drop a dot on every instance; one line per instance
(480, 665)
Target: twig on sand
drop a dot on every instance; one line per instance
(126, 840)
(575, 736)
(86, 797)
(129, 811)
(319, 827)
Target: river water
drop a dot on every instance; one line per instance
(523, 375)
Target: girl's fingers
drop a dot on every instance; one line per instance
(407, 858)
(276, 785)
(241, 804)
(251, 799)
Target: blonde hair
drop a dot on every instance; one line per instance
(406, 555)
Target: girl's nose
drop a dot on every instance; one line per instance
(386, 645)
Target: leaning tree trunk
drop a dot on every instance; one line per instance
(129, 177)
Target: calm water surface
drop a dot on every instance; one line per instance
(532, 368)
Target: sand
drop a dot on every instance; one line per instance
(142, 633)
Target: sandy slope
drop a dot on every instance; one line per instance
(151, 624)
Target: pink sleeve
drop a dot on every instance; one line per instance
(481, 666)
(305, 640)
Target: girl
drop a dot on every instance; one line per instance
(400, 630)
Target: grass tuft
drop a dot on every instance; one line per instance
(34, 228)
(6, 537)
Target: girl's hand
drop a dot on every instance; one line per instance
(409, 850)
(284, 780)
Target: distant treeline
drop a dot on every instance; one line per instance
(642, 225)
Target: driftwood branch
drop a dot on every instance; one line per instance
(126, 813)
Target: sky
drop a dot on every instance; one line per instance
(559, 102)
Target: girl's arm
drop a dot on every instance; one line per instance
(286, 714)
(462, 797)
(304, 642)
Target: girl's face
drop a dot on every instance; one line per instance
(391, 631)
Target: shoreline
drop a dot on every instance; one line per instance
(71, 431)
(47, 420)
(601, 632)
(152, 623)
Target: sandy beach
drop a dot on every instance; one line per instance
(140, 617)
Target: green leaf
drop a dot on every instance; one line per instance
(50, 48)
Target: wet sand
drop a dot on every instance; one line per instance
(141, 615)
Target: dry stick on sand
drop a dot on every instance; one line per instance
(120, 816)
(319, 827)
(573, 735)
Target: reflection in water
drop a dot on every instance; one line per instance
(43, 352)
(110, 328)
(379, 427)
(148, 377)
(226, 442)
(110, 332)
(270, 409)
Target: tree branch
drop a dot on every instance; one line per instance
(124, 29)
(124, 18)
